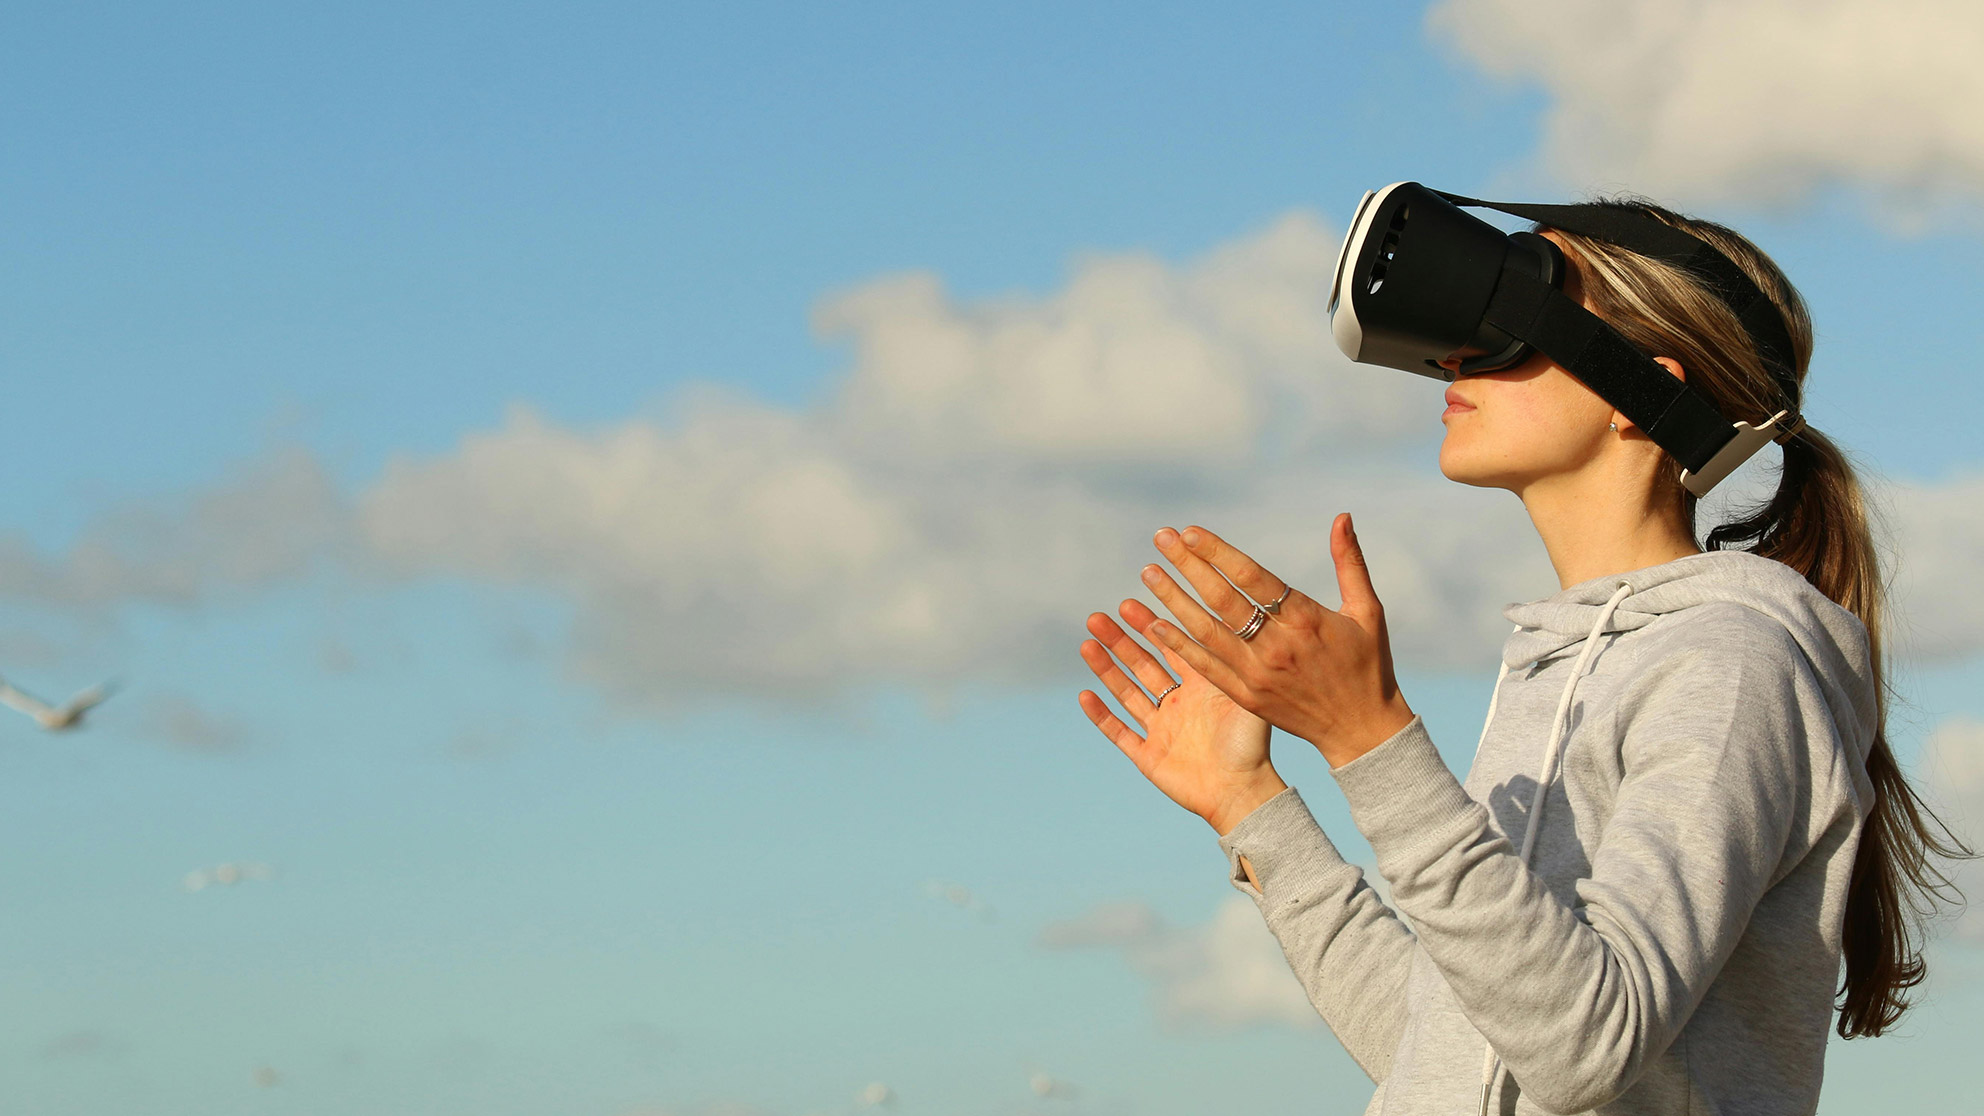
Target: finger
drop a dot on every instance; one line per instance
(1118, 733)
(1353, 576)
(1190, 614)
(1129, 695)
(1140, 617)
(1142, 664)
(1252, 578)
(1219, 595)
(1208, 664)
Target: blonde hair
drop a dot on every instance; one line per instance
(1816, 522)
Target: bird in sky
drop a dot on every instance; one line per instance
(51, 717)
(227, 874)
(876, 1095)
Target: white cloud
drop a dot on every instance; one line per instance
(1953, 780)
(990, 472)
(1938, 545)
(1226, 974)
(1746, 100)
(268, 522)
(1134, 363)
(987, 473)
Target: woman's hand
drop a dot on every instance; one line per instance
(1206, 753)
(1325, 676)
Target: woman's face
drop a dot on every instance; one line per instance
(1511, 428)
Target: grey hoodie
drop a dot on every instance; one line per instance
(1671, 943)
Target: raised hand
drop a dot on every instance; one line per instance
(1203, 751)
(1321, 674)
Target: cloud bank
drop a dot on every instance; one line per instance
(1952, 767)
(1227, 974)
(986, 473)
(1763, 101)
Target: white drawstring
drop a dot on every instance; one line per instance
(1492, 1069)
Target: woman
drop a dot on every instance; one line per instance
(1683, 812)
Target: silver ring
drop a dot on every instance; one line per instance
(1274, 609)
(1254, 623)
(1160, 698)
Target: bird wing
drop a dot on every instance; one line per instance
(90, 698)
(26, 703)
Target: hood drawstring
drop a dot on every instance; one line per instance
(1492, 1069)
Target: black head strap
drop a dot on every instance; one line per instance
(1678, 419)
(1641, 232)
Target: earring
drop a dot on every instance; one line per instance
(1614, 426)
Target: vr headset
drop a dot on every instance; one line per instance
(1420, 281)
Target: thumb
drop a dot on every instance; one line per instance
(1353, 577)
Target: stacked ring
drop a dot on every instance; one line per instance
(1255, 622)
(1274, 609)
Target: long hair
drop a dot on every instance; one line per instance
(1816, 522)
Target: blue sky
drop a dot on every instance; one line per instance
(576, 802)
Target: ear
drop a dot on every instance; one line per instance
(1674, 369)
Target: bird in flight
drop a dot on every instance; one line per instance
(51, 717)
(229, 874)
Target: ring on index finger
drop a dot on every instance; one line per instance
(1273, 608)
(1158, 702)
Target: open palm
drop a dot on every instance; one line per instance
(1203, 751)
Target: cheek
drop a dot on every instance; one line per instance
(1508, 422)
(1525, 428)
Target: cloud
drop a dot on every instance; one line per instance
(1938, 543)
(986, 472)
(961, 897)
(711, 1108)
(1952, 764)
(1746, 100)
(335, 657)
(1227, 974)
(187, 727)
(989, 472)
(640, 1043)
(86, 1042)
(267, 522)
(1135, 363)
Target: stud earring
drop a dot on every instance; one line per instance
(1614, 426)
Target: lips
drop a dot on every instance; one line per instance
(1455, 402)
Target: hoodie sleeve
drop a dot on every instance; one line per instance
(1349, 950)
(1577, 1000)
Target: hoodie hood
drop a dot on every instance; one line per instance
(1832, 639)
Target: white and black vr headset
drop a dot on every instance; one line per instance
(1420, 281)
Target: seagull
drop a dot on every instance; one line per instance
(227, 875)
(1045, 1086)
(961, 897)
(50, 717)
(876, 1095)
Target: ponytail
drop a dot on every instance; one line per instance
(1816, 522)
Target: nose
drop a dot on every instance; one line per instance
(1452, 365)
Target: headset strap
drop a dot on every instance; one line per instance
(1679, 419)
(1650, 236)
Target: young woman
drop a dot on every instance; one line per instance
(1682, 813)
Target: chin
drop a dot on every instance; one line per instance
(1462, 467)
(1454, 463)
